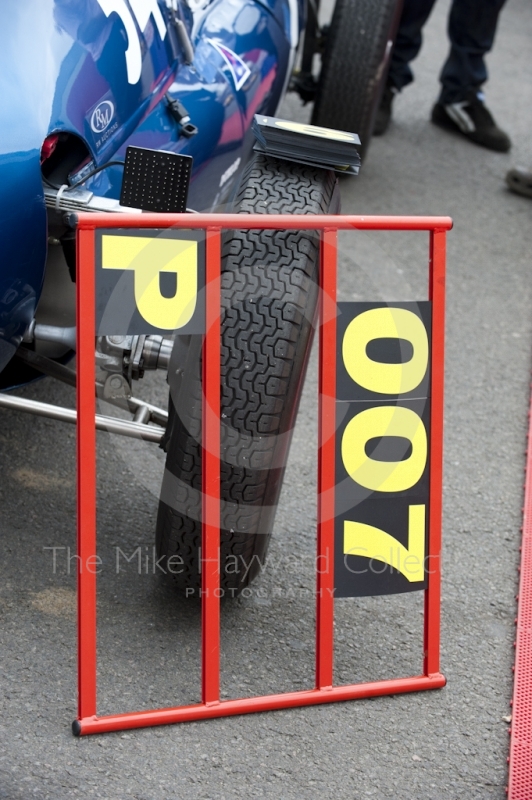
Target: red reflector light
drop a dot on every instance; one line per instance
(49, 146)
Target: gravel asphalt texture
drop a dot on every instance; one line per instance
(447, 744)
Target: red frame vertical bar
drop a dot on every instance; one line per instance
(210, 550)
(326, 457)
(86, 456)
(431, 661)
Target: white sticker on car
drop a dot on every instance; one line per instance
(239, 70)
(230, 171)
(141, 10)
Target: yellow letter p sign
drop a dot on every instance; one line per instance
(151, 281)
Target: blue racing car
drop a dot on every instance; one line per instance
(84, 83)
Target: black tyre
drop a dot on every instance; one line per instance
(269, 299)
(355, 64)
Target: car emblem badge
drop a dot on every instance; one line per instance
(102, 116)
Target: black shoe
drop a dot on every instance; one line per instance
(384, 111)
(472, 119)
(519, 180)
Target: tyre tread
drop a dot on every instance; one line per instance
(269, 295)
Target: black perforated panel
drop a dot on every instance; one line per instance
(155, 180)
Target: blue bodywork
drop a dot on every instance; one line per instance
(100, 69)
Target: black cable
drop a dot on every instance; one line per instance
(49, 183)
(95, 172)
(86, 178)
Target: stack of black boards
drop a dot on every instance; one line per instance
(307, 144)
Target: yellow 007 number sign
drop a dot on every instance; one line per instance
(382, 447)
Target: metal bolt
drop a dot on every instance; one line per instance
(116, 382)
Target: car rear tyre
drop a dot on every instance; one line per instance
(355, 64)
(269, 301)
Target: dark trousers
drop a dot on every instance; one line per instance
(471, 28)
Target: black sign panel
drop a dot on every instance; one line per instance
(382, 448)
(149, 281)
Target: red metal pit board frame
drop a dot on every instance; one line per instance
(324, 692)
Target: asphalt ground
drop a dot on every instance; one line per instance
(451, 743)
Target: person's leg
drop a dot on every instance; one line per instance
(408, 41)
(460, 108)
(406, 47)
(472, 26)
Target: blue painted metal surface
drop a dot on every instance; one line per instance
(100, 69)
